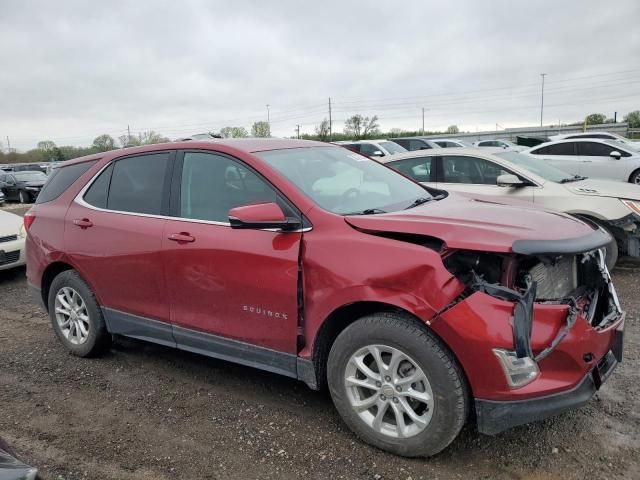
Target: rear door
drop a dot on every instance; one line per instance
(113, 234)
(561, 155)
(468, 174)
(226, 285)
(598, 163)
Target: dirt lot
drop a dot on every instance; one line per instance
(149, 412)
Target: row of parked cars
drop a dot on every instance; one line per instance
(580, 174)
(418, 294)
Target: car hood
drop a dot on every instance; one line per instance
(9, 223)
(604, 188)
(464, 222)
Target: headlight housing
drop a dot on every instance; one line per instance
(22, 233)
(518, 371)
(632, 205)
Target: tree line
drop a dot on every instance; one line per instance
(356, 127)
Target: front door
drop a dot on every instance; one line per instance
(229, 287)
(463, 173)
(598, 163)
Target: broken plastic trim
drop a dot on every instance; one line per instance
(522, 311)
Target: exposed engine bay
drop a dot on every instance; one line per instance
(580, 281)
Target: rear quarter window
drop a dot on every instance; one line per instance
(62, 178)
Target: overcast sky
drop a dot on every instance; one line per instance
(71, 70)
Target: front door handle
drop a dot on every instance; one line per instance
(83, 222)
(181, 237)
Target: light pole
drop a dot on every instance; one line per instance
(423, 110)
(268, 121)
(542, 98)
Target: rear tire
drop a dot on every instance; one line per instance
(415, 400)
(76, 316)
(635, 177)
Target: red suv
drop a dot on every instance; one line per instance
(415, 306)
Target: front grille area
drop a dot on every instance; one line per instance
(10, 257)
(555, 280)
(8, 238)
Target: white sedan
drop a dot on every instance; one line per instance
(634, 144)
(613, 205)
(591, 157)
(12, 235)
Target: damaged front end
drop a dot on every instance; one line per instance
(538, 273)
(538, 329)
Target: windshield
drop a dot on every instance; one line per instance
(537, 166)
(344, 182)
(393, 147)
(624, 143)
(30, 176)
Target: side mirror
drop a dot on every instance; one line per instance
(616, 155)
(377, 153)
(260, 216)
(509, 181)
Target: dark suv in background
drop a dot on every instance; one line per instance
(22, 186)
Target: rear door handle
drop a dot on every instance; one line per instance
(83, 222)
(181, 237)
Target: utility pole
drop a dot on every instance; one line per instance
(128, 136)
(542, 98)
(422, 120)
(615, 119)
(298, 130)
(268, 120)
(330, 123)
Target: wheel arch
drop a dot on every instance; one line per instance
(345, 315)
(52, 271)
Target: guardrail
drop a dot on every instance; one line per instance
(544, 131)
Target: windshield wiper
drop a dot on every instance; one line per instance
(575, 178)
(419, 201)
(368, 211)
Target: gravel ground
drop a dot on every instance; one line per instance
(148, 412)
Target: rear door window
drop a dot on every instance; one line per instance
(138, 184)
(417, 168)
(567, 148)
(98, 192)
(62, 178)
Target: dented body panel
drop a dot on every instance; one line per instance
(480, 323)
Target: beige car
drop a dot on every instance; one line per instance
(511, 175)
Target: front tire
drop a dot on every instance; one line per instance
(76, 316)
(396, 385)
(635, 177)
(23, 197)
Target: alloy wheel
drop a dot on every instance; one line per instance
(72, 315)
(389, 391)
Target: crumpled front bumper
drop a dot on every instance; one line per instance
(496, 416)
